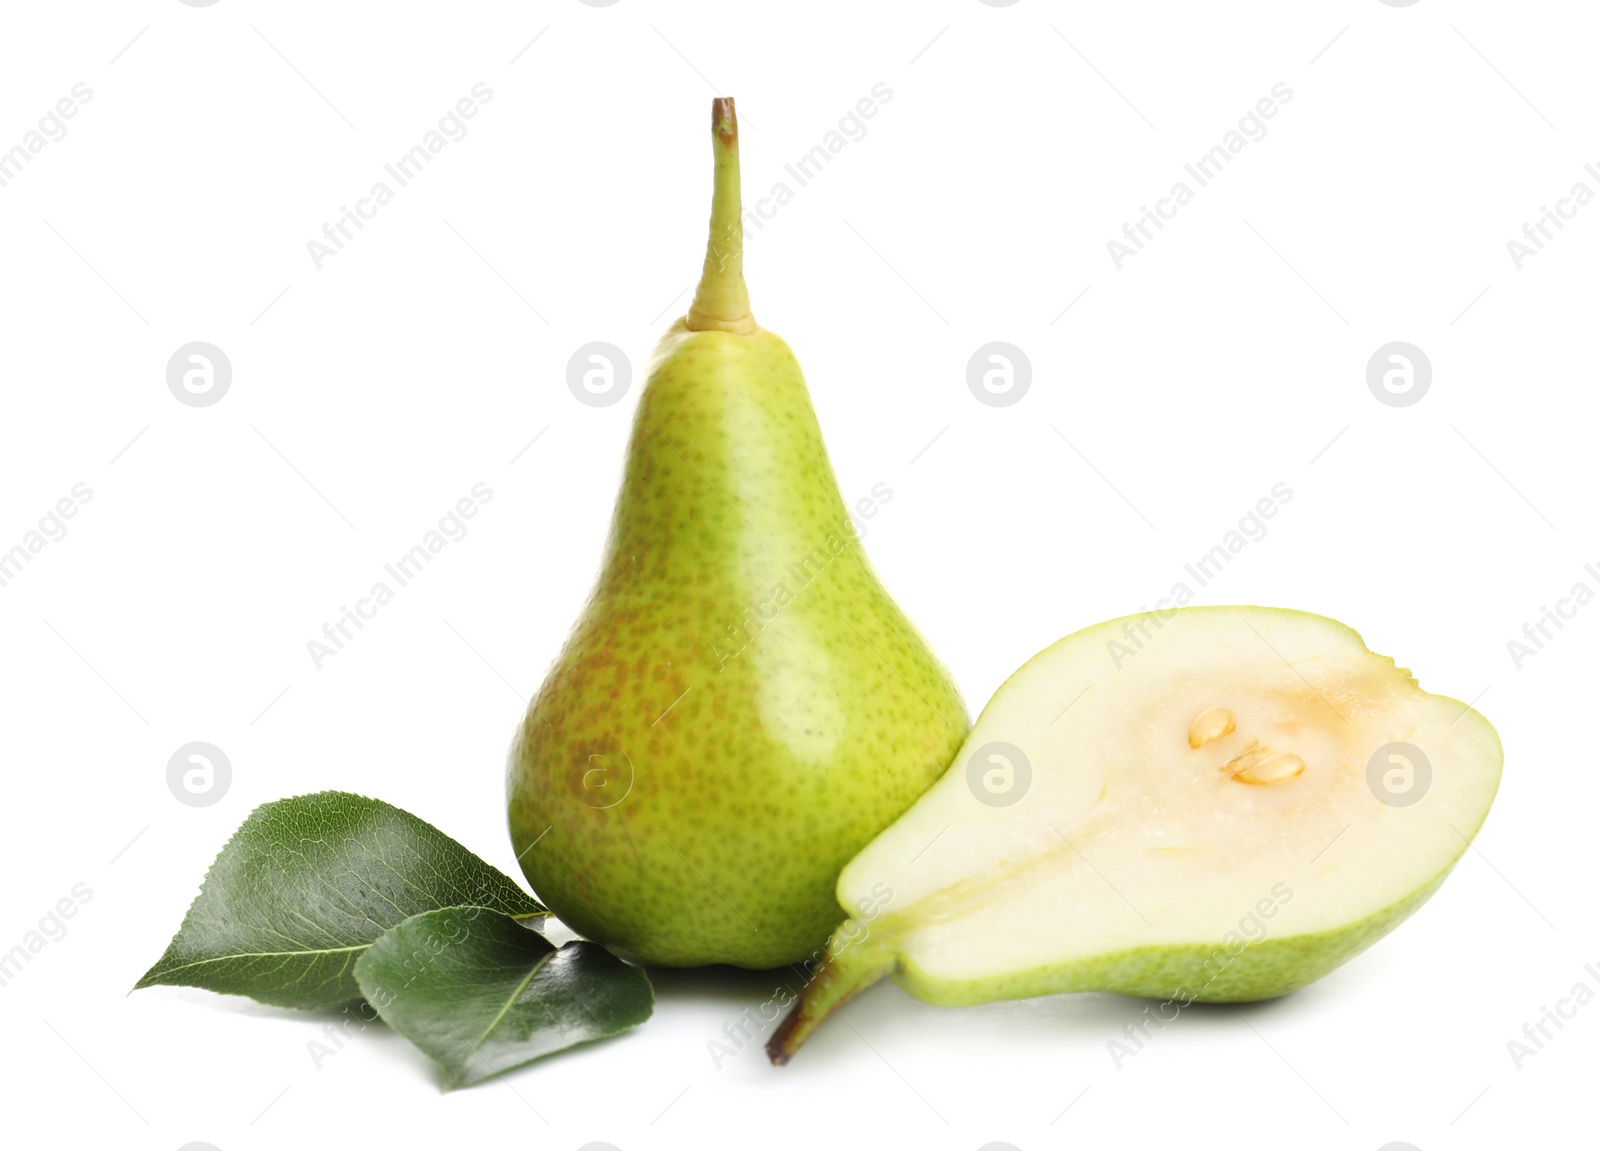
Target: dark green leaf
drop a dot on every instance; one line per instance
(479, 992)
(307, 884)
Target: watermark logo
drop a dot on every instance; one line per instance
(1399, 374)
(599, 374)
(999, 374)
(602, 780)
(999, 774)
(199, 374)
(199, 774)
(1399, 774)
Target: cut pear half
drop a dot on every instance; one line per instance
(1209, 804)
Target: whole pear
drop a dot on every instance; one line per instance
(741, 706)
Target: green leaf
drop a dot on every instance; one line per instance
(306, 885)
(480, 993)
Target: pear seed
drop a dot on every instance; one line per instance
(1212, 723)
(1273, 769)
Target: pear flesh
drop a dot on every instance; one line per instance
(1206, 804)
(741, 706)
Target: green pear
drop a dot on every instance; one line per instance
(1211, 804)
(741, 706)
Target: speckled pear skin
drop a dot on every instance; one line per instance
(1230, 971)
(809, 713)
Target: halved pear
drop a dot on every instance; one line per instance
(1202, 804)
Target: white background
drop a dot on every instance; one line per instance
(369, 396)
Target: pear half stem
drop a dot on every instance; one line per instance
(720, 302)
(842, 975)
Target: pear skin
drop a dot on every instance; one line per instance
(741, 706)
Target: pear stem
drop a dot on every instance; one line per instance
(721, 302)
(842, 975)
